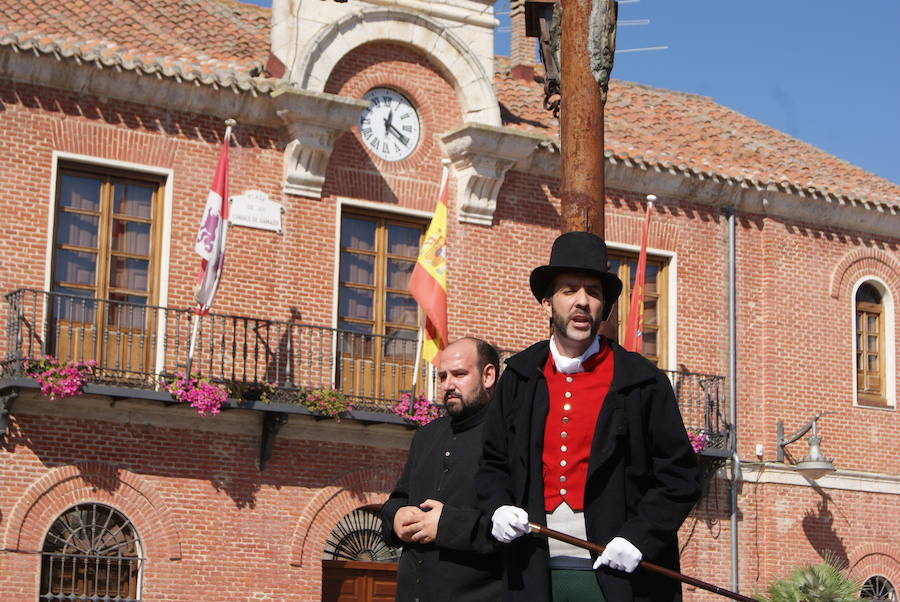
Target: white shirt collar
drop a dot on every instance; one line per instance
(571, 365)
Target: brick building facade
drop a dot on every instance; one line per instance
(113, 119)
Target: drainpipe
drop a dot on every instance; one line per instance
(732, 403)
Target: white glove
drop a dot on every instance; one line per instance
(509, 522)
(619, 554)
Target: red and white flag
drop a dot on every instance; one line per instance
(634, 331)
(210, 244)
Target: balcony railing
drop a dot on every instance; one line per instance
(139, 345)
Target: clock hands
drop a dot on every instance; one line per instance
(389, 127)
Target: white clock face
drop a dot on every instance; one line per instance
(389, 126)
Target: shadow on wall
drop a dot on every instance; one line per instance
(818, 525)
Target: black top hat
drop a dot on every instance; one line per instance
(580, 252)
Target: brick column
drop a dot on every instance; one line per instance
(521, 49)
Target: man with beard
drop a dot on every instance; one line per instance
(586, 438)
(448, 552)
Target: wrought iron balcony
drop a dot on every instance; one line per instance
(137, 346)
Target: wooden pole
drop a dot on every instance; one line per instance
(587, 545)
(581, 126)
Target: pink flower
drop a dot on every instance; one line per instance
(419, 410)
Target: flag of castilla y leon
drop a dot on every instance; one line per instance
(428, 283)
(210, 245)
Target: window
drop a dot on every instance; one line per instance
(91, 552)
(869, 346)
(878, 588)
(105, 257)
(655, 299)
(378, 319)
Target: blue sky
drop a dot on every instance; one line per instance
(824, 71)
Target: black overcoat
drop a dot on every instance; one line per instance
(464, 563)
(642, 478)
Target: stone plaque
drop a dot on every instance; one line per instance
(253, 209)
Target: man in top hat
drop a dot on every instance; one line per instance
(587, 439)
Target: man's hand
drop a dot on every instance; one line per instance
(619, 554)
(509, 522)
(426, 528)
(406, 522)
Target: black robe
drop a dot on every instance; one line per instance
(463, 564)
(642, 478)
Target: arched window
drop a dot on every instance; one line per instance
(91, 552)
(870, 356)
(357, 537)
(878, 589)
(357, 563)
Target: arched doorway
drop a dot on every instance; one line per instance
(357, 564)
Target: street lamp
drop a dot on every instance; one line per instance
(814, 464)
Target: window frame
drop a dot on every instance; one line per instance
(374, 211)
(110, 174)
(105, 253)
(886, 400)
(61, 524)
(380, 288)
(665, 298)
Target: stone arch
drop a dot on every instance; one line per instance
(319, 515)
(872, 559)
(460, 66)
(864, 262)
(84, 482)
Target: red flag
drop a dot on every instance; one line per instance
(210, 244)
(428, 283)
(634, 331)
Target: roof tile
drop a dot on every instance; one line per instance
(226, 43)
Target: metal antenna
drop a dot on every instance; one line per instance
(642, 49)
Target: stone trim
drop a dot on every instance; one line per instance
(321, 513)
(315, 121)
(757, 473)
(106, 82)
(459, 65)
(84, 482)
(481, 155)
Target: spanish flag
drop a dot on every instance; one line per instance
(428, 283)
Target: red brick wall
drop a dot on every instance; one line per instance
(212, 525)
(241, 532)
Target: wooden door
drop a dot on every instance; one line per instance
(355, 581)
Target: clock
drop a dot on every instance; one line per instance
(389, 126)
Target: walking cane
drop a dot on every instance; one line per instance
(550, 533)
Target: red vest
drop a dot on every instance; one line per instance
(575, 401)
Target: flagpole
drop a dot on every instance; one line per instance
(198, 311)
(418, 358)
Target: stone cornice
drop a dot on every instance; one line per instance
(779, 200)
(315, 121)
(481, 155)
(851, 480)
(166, 91)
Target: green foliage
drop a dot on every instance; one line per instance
(253, 391)
(823, 582)
(326, 401)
